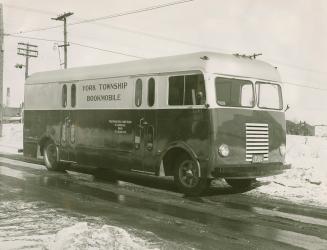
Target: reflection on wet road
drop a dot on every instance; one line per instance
(223, 219)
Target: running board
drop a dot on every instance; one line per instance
(143, 172)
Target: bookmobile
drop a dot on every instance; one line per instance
(196, 117)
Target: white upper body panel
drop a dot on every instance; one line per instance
(223, 64)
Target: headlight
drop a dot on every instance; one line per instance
(223, 150)
(282, 150)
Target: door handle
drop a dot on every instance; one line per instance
(142, 123)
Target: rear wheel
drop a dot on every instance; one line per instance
(50, 154)
(241, 183)
(187, 177)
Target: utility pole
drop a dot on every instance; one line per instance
(27, 50)
(63, 18)
(1, 67)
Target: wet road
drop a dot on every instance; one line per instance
(222, 219)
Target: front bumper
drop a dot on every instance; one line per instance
(249, 170)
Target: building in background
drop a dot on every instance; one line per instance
(299, 128)
(11, 114)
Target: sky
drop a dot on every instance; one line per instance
(291, 35)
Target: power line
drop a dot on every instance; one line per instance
(106, 50)
(78, 44)
(130, 55)
(160, 6)
(155, 36)
(296, 66)
(304, 86)
(198, 45)
(161, 37)
(125, 13)
(147, 34)
(34, 38)
(138, 57)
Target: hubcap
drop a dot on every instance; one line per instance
(188, 174)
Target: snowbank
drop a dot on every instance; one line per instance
(35, 225)
(306, 182)
(84, 236)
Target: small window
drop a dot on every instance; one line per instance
(151, 92)
(187, 90)
(73, 95)
(64, 95)
(138, 93)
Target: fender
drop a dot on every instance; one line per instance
(184, 146)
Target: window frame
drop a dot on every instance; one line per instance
(234, 78)
(280, 95)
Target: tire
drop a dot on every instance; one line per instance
(187, 177)
(241, 183)
(50, 155)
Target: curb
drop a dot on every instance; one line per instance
(20, 157)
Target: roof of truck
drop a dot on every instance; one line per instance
(208, 62)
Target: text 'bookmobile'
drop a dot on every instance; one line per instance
(195, 117)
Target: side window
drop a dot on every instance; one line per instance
(194, 90)
(151, 92)
(176, 90)
(187, 90)
(138, 93)
(64, 96)
(73, 96)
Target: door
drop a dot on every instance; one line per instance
(145, 125)
(68, 127)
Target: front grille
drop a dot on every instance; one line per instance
(257, 140)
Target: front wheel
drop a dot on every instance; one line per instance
(241, 183)
(51, 153)
(187, 177)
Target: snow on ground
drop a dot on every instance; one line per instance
(34, 225)
(84, 236)
(306, 182)
(12, 138)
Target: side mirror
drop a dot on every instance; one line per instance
(287, 107)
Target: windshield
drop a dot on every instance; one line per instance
(234, 92)
(269, 95)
